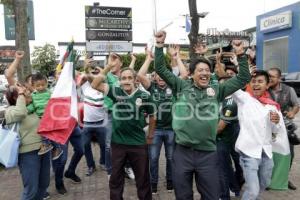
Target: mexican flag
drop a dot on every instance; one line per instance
(281, 159)
(61, 114)
(65, 56)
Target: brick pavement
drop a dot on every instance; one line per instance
(96, 186)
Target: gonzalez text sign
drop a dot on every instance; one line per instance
(113, 12)
(108, 35)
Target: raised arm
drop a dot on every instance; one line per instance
(133, 60)
(18, 112)
(219, 67)
(97, 81)
(242, 78)
(12, 69)
(176, 61)
(160, 65)
(142, 74)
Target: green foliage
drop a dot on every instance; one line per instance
(44, 59)
(140, 59)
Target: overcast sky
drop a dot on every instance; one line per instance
(59, 20)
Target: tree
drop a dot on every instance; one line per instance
(193, 35)
(44, 59)
(19, 8)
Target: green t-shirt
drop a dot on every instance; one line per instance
(163, 99)
(128, 116)
(229, 115)
(39, 102)
(196, 111)
(112, 80)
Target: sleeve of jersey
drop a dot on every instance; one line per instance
(113, 92)
(227, 114)
(150, 106)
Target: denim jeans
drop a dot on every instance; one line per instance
(225, 169)
(59, 164)
(97, 128)
(165, 137)
(35, 172)
(257, 173)
(108, 143)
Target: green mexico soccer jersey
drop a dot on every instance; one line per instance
(112, 80)
(196, 110)
(163, 99)
(129, 116)
(229, 115)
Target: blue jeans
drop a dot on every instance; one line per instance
(108, 143)
(59, 164)
(226, 172)
(90, 128)
(35, 172)
(257, 173)
(160, 137)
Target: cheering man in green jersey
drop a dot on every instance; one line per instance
(128, 138)
(195, 119)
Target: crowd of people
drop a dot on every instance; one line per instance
(220, 125)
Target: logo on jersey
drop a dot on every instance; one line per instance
(210, 92)
(168, 91)
(138, 102)
(228, 113)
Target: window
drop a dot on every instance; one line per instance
(275, 54)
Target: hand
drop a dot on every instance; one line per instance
(251, 52)
(274, 117)
(133, 57)
(233, 60)
(252, 70)
(238, 47)
(290, 114)
(19, 54)
(200, 48)
(219, 56)
(160, 37)
(20, 88)
(88, 62)
(112, 60)
(149, 140)
(149, 54)
(173, 51)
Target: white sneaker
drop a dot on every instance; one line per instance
(129, 173)
(102, 167)
(232, 194)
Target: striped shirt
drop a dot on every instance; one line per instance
(93, 103)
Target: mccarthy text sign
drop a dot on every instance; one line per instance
(275, 22)
(108, 23)
(100, 11)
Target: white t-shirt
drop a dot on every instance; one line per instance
(255, 126)
(93, 104)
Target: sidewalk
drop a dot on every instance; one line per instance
(96, 186)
